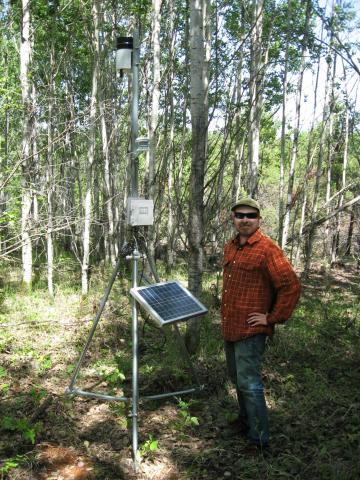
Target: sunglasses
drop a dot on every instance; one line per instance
(241, 215)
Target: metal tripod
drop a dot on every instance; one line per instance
(134, 399)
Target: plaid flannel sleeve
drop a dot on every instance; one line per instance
(286, 284)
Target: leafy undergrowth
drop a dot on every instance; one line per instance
(311, 375)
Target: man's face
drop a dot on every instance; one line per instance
(246, 226)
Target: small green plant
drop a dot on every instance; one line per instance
(119, 408)
(6, 339)
(231, 416)
(70, 369)
(45, 363)
(147, 369)
(22, 426)
(111, 374)
(149, 448)
(38, 393)
(187, 419)
(11, 463)
(25, 352)
(4, 386)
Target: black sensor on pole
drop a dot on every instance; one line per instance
(124, 49)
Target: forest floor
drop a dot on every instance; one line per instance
(311, 376)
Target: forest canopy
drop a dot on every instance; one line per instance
(256, 98)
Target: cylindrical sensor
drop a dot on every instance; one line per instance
(124, 47)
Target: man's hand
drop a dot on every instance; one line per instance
(257, 319)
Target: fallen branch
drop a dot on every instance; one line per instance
(315, 223)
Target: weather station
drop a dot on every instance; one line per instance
(166, 302)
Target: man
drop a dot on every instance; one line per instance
(260, 289)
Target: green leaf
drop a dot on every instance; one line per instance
(154, 445)
(8, 423)
(30, 434)
(8, 465)
(4, 387)
(194, 420)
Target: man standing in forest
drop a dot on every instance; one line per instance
(260, 289)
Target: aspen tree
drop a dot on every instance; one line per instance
(199, 82)
(255, 97)
(154, 109)
(296, 132)
(26, 197)
(91, 154)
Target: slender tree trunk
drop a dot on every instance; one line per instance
(256, 97)
(91, 155)
(350, 232)
(73, 187)
(323, 135)
(154, 114)
(50, 175)
(283, 132)
(239, 135)
(336, 230)
(4, 158)
(26, 200)
(110, 251)
(199, 59)
(171, 155)
(3, 195)
(296, 134)
(330, 160)
(309, 166)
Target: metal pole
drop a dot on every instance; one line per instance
(93, 328)
(135, 365)
(101, 396)
(134, 167)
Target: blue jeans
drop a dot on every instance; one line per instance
(244, 362)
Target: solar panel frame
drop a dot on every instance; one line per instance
(168, 302)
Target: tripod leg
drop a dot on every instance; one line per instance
(93, 328)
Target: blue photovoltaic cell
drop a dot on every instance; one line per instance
(170, 301)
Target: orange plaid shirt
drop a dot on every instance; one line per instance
(257, 278)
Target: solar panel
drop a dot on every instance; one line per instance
(168, 302)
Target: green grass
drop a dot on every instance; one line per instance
(311, 376)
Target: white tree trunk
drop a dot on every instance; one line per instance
(336, 232)
(50, 176)
(314, 204)
(171, 158)
(330, 158)
(110, 252)
(283, 131)
(239, 136)
(26, 200)
(309, 166)
(256, 97)
(199, 60)
(295, 140)
(154, 113)
(91, 155)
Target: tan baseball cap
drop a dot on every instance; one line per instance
(246, 201)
